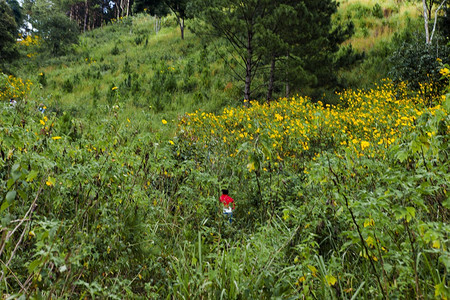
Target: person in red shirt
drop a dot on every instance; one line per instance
(228, 204)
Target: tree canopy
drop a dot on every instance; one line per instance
(8, 32)
(263, 32)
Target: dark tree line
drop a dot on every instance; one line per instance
(8, 33)
(287, 45)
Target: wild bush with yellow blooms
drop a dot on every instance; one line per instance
(29, 40)
(363, 186)
(366, 123)
(29, 44)
(332, 202)
(13, 87)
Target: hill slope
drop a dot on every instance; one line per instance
(107, 193)
(169, 74)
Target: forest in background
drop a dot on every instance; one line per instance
(330, 129)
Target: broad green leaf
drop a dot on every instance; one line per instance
(415, 146)
(10, 196)
(10, 183)
(4, 206)
(400, 213)
(15, 172)
(15, 167)
(446, 203)
(33, 265)
(22, 194)
(402, 156)
(411, 213)
(32, 175)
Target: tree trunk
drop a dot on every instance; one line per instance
(271, 79)
(435, 19)
(128, 7)
(157, 27)
(101, 16)
(425, 20)
(287, 78)
(181, 21)
(287, 89)
(86, 13)
(248, 67)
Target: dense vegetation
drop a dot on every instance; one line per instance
(113, 155)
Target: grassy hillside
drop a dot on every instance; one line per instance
(161, 72)
(327, 200)
(376, 21)
(380, 28)
(111, 189)
(128, 63)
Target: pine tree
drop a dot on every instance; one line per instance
(296, 35)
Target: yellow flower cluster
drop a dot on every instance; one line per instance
(29, 40)
(367, 122)
(90, 60)
(445, 72)
(13, 87)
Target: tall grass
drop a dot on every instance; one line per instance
(374, 24)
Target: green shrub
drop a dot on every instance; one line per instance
(115, 50)
(377, 11)
(67, 86)
(42, 80)
(419, 64)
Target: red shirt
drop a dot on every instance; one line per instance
(226, 200)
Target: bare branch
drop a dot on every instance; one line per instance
(435, 19)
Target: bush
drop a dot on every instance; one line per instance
(115, 50)
(418, 64)
(377, 11)
(59, 32)
(67, 86)
(42, 80)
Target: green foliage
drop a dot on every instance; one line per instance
(102, 206)
(153, 7)
(115, 50)
(17, 11)
(67, 86)
(296, 41)
(417, 63)
(377, 11)
(115, 200)
(8, 31)
(58, 32)
(444, 23)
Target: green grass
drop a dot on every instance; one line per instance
(129, 55)
(372, 29)
(156, 75)
(127, 206)
(378, 32)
